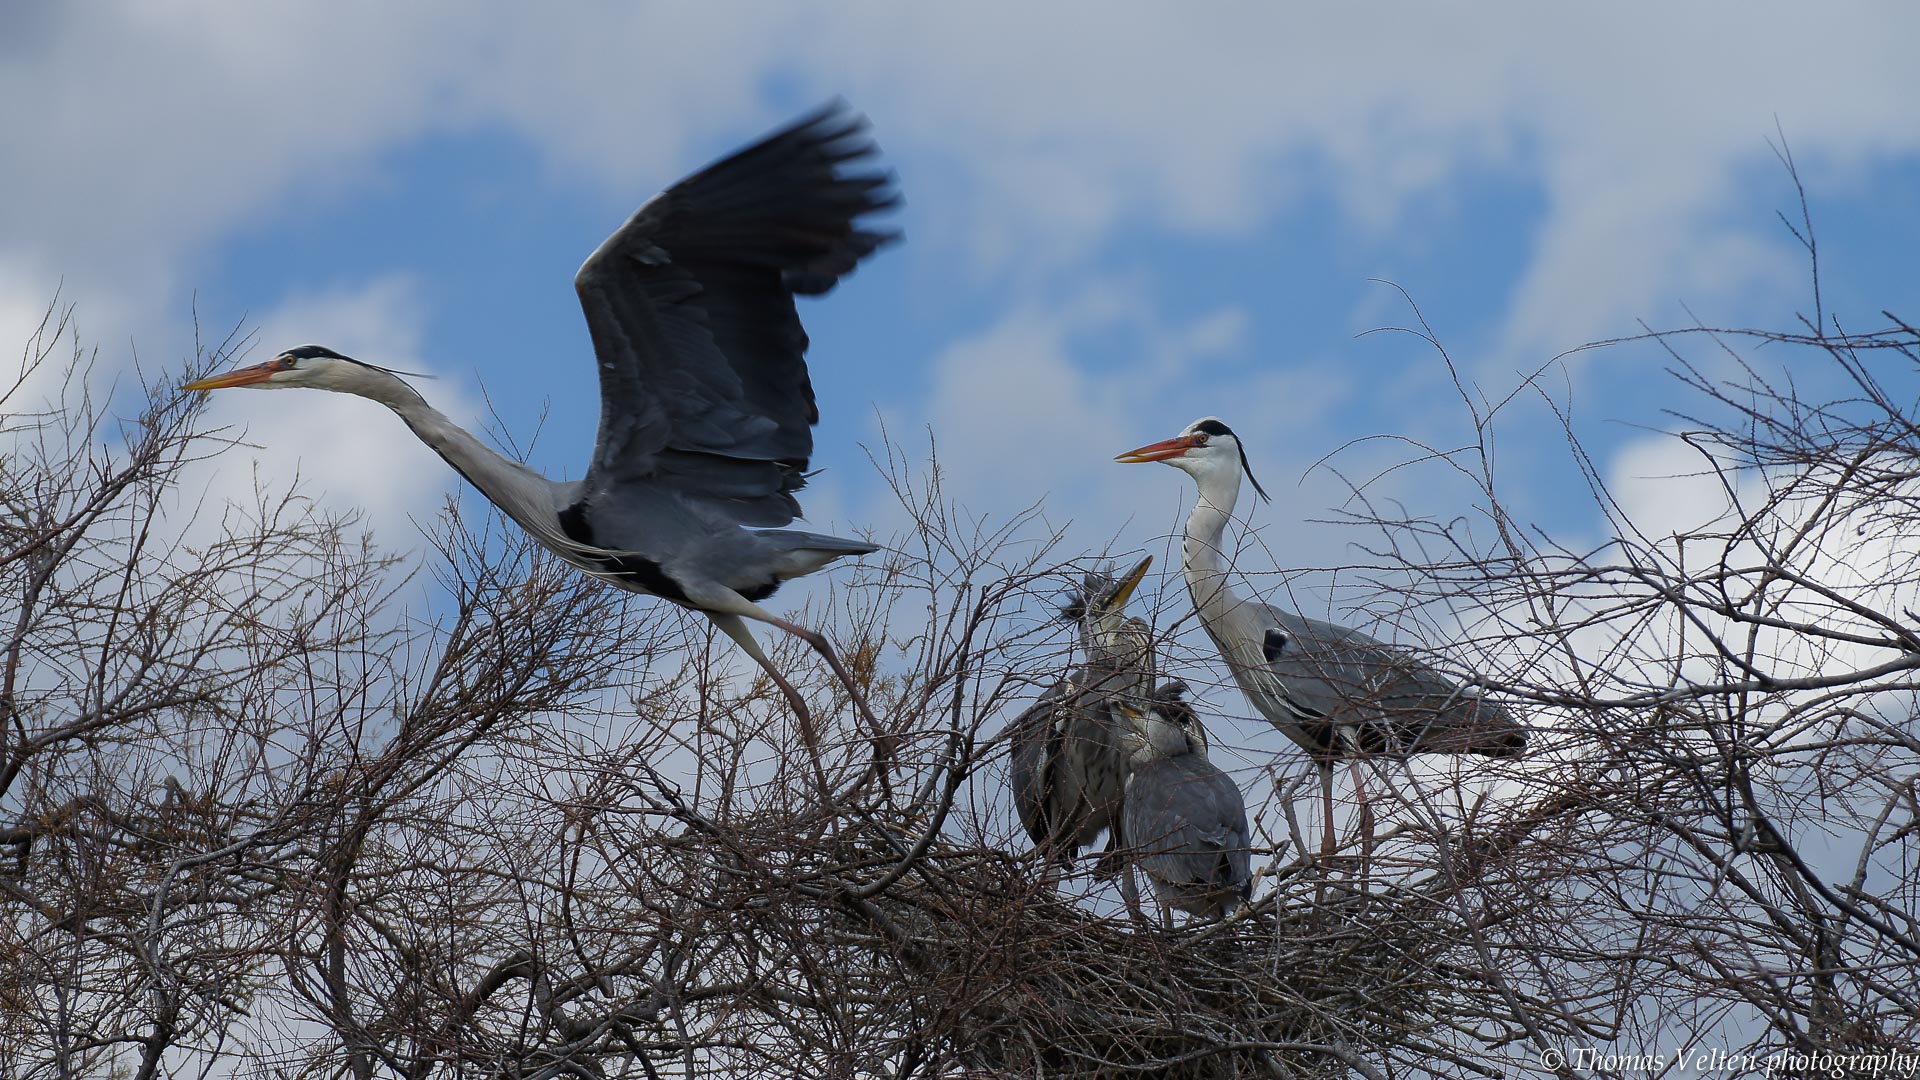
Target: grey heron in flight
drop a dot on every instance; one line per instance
(1185, 822)
(1069, 760)
(1331, 689)
(706, 408)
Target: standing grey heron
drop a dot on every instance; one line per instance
(706, 408)
(1185, 822)
(1069, 758)
(1333, 690)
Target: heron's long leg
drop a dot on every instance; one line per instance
(1326, 808)
(1325, 768)
(1130, 892)
(884, 743)
(737, 630)
(1365, 814)
(1349, 737)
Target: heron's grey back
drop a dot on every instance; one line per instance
(1186, 822)
(1336, 676)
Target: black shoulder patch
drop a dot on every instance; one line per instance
(315, 352)
(1213, 427)
(650, 574)
(1273, 643)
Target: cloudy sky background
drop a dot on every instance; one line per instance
(1118, 218)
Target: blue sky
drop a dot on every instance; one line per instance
(1118, 218)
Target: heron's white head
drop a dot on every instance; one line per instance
(1161, 730)
(314, 366)
(1207, 450)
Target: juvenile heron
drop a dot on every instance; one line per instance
(1185, 821)
(706, 408)
(1069, 760)
(1333, 690)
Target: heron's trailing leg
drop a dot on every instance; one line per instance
(1327, 842)
(883, 743)
(737, 630)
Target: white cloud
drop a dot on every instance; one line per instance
(1035, 406)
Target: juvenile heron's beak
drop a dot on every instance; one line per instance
(245, 376)
(1116, 600)
(1160, 451)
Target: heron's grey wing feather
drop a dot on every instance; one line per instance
(1098, 761)
(703, 378)
(1399, 703)
(1037, 739)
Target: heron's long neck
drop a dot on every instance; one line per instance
(525, 495)
(1237, 626)
(1202, 549)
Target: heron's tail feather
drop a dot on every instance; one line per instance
(801, 553)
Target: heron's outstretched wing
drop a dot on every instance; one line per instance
(1332, 675)
(703, 381)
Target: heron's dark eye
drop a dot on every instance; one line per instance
(1200, 438)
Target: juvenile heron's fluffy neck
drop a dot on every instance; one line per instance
(1158, 739)
(1168, 740)
(1120, 653)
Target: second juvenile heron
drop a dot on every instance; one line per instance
(1185, 821)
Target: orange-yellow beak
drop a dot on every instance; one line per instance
(1117, 600)
(1160, 451)
(238, 377)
